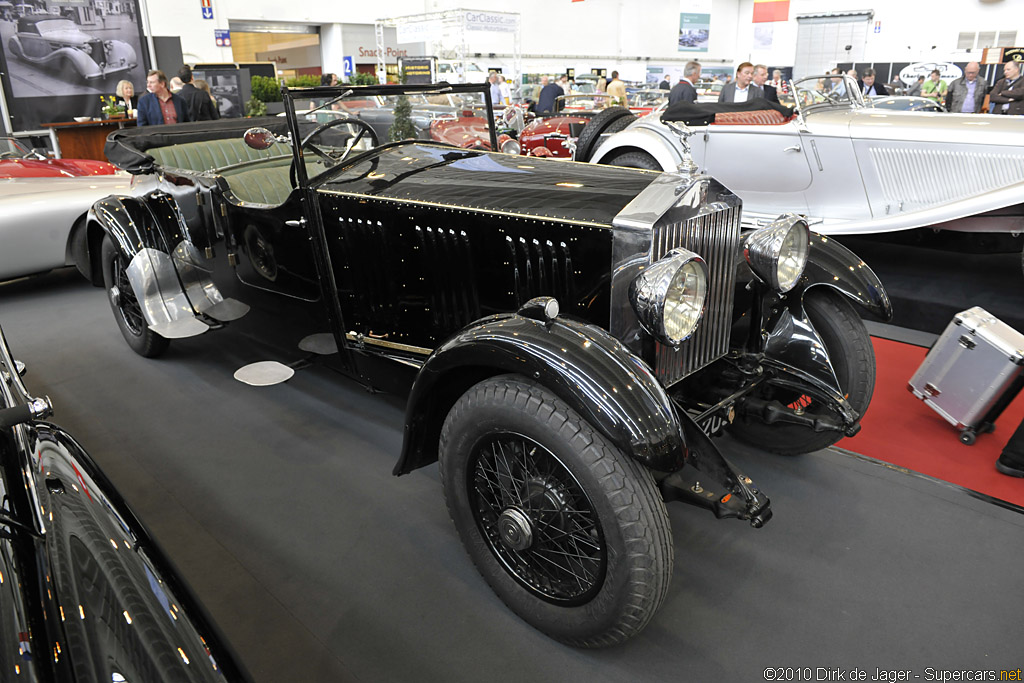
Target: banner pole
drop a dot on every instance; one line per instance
(144, 13)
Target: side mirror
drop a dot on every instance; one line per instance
(259, 138)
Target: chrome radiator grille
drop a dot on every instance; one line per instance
(716, 237)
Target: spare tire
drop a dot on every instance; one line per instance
(586, 144)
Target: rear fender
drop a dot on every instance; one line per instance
(581, 364)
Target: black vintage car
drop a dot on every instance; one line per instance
(569, 336)
(87, 595)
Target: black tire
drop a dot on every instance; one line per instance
(853, 359)
(510, 445)
(586, 143)
(125, 306)
(634, 160)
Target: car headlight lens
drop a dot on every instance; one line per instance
(669, 296)
(777, 253)
(510, 147)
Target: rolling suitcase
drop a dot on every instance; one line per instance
(974, 370)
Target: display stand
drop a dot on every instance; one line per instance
(83, 140)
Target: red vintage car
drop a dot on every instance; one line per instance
(18, 162)
(520, 132)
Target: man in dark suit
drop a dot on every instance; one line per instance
(664, 85)
(684, 90)
(200, 106)
(871, 86)
(160, 105)
(742, 89)
(548, 93)
(760, 80)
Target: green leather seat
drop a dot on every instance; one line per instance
(261, 185)
(267, 183)
(205, 156)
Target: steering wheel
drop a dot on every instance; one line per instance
(364, 128)
(9, 155)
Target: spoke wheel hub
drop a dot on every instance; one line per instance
(515, 530)
(537, 519)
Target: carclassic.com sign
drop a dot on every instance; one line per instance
(492, 21)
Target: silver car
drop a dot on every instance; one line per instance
(849, 166)
(42, 220)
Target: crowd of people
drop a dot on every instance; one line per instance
(179, 100)
(186, 99)
(964, 95)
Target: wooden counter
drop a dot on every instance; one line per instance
(83, 140)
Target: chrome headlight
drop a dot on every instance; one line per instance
(510, 147)
(669, 296)
(777, 253)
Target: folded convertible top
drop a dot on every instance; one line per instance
(126, 147)
(703, 113)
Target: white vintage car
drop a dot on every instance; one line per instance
(42, 220)
(847, 165)
(60, 44)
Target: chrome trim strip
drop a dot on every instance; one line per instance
(457, 207)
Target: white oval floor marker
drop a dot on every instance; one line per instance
(264, 373)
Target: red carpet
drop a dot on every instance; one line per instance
(902, 430)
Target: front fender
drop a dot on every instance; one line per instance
(581, 364)
(83, 63)
(142, 228)
(131, 223)
(831, 264)
(642, 139)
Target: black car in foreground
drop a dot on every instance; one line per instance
(569, 336)
(86, 594)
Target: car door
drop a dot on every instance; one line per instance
(837, 189)
(34, 45)
(766, 165)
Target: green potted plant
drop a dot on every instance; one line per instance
(255, 107)
(111, 108)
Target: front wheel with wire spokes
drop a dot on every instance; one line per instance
(126, 307)
(569, 532)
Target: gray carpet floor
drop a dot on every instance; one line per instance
(279, 507)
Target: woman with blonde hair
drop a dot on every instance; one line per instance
(125, 93)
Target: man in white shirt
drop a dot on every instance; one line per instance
(741, 89)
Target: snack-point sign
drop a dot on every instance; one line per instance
(207, 8)
(222, 37)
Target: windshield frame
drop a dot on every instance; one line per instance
(337, 93)
(852, 97)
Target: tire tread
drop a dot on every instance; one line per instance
(640, 509)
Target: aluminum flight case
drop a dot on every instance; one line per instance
(974, 370)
